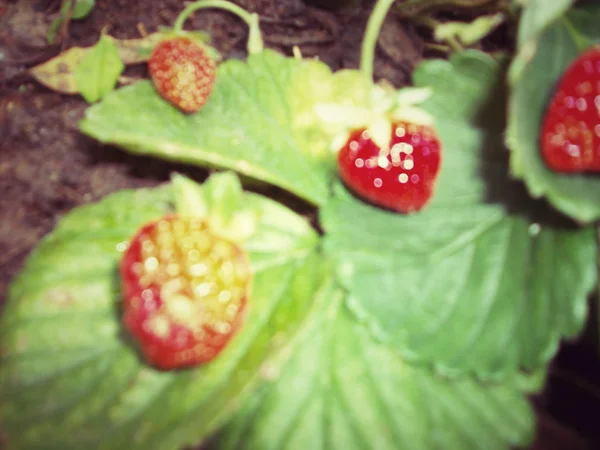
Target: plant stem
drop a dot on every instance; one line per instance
(255, 43)
(376, 19)
(221, 4)
(438, 47)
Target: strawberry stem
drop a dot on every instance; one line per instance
(370, 40)
(255, 42)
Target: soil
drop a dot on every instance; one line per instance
(47, 167)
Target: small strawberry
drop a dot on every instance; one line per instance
(570, 136)
(399, 176)
(183, 72)
(184, 291)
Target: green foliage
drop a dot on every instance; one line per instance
(537, 15)
(342, 389)
(479, 281)
(532, 84)
(99, 69)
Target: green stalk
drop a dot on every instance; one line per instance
(367, 54)
(255, 42)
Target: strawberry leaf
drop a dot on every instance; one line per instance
(536, 16)
(259, 121)
(532, 85)
(484, 279)
(70, 377)
(341, 389)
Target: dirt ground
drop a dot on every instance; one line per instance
(48, 168)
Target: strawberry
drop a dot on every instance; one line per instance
(183, 72)
(570, 136)
(399, 176)
(387, 149)
(184, 291)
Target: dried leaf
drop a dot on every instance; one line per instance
(58, 73)
(133, 51)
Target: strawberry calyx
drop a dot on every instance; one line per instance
(220, 201)
(384, 107)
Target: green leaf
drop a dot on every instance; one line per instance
(258, 121)
(82, 8)
(189, 201)
(341, 390)
(483, 279)
(537, 15)
(468, 33)
(225, 197)
(573, 194)
(99, 70)
(70, 377)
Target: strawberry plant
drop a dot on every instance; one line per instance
(422, 313)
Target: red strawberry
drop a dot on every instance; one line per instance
(183, 72)
(184, 291)
(400, 176)
(570, 137)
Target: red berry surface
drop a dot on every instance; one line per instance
(400, 176)
(184, 291)
(183, 72)
(570, 136)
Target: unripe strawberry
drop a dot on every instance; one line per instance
(184, 291)
(183, 72)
